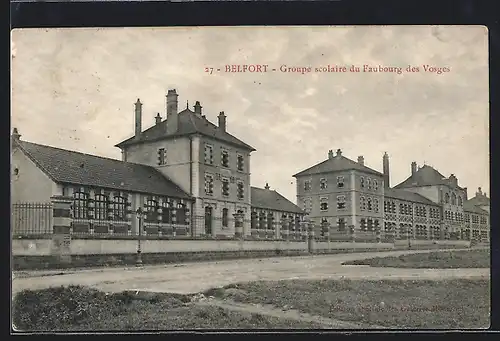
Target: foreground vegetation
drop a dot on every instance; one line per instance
(78, 308)
(425, 304)
(436, 260)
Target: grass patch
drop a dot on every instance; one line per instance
(435, 260)
(77, 308)
(425, 304)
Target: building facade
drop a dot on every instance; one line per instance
(343, 194)
(190, 176)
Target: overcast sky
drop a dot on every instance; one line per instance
(76, 88)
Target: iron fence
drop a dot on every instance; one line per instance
(31, 219)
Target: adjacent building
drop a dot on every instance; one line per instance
(348, 195)
(190, 176)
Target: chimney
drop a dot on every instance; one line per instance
(15, 135)
(479, 192)
(453, 180)
(339, 152)
(466, 195)
(197, 108)
(385, 166)
(158, 119)
(361, 160)
(138, 118)
(330, 154)
(172, 110)
(267, 186)
(222, 121)
(413, 167)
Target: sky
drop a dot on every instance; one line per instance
(76, 88)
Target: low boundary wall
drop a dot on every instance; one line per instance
(45, 253)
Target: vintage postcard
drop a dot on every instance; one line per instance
(249, 178)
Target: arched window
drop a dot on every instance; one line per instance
(181, 214)
(447, 198)
(101, 207)
(453, 199)
(253, 220)
(151, 210)
(80, 205)
(119, 208)
(460, 202)
(166, 215)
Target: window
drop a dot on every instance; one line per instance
(393, 207)
(151, 210)
(362, 203)
(362, 225)
(262, 219)
(120, 208)
(370, 224)
(340, 202)
(446, 198)
(375, 185)
(369, 202)
(375, 205)
(162, 156)
(322, 184)
(224, 158)
(307, 185)
(368, 183)
(362, 182)
(253, 220)
(209, 184)
(342, 224)
(181, 214)
(270, 221)
(483, 220)
(241, 190)
(240, 163)
(209, 154)
(323, 204)
(225, 217)
(166, 215)
(460, 202)
(225, 187)
(80, 205)
(101, 207)
(340, 181)
(453, 199)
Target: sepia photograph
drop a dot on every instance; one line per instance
(252, 178)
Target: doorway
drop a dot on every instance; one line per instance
(208, 220)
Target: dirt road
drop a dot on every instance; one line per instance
(195, 277)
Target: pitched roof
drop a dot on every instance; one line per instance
(189, 124)
(468, 207)
(402, 194)
(270, 199)
(334, 164)
(479, 201)
(67, 166)
(425, 176)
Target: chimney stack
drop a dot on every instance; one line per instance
(15, 135)
(361, 160)
(339, 152)
(222, 121)
(385, 166)
(330, 154)
(138, 119)
(413, 167)
(267, 186)
(158, 119)
(197, 108)
(172, 111)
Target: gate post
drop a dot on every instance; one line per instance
(310, 239)
(61, 237)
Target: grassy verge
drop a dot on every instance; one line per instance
(398, 304)
(77, 308)
(436, 260)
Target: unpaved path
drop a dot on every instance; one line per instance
(191, 278)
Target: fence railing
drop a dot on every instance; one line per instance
(36, 219)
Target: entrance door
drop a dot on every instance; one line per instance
(208, 220)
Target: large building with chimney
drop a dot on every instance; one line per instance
(190, 176)
(349, 196)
